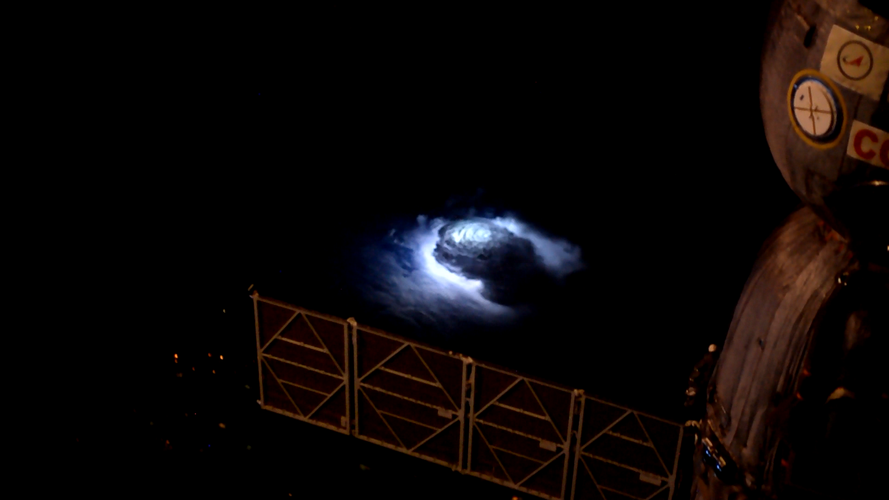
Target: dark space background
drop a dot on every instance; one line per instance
(636, 136)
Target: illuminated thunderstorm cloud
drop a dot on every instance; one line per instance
(443, 272)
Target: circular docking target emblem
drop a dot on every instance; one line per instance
(817, 110)
(814, 109)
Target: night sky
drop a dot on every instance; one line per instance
(641, 145)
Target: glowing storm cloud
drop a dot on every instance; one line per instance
(403, 278)
(481, 239)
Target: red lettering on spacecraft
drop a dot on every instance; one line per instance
(859, 139)
(869, 144)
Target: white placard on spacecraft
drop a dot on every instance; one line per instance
(868, 144)
(855, 62)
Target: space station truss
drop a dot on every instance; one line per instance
(621, 453)
(520, 431)
(409, 397)
(303, 364)
(473, 417)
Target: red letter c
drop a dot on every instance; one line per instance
(859, 137)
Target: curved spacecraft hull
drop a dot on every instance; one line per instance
(795, 350)
(797, 406)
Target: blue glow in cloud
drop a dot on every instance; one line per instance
(404, 279)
